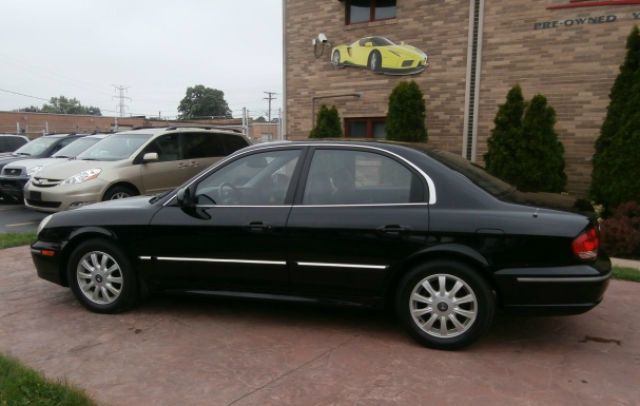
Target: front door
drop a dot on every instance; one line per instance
(358, 214)
(169, 171)
(235, 237)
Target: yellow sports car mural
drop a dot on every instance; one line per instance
(380, 55)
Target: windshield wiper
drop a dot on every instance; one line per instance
(23, 153)
(62, 156)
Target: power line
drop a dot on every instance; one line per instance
(22, 94)
(270, 98)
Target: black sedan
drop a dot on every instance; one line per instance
(364, 223)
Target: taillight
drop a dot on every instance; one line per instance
(585, 246)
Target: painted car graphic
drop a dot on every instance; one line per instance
(380, 55)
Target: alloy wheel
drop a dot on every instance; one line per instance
(120, 195)
(99, 277)
(443, 305)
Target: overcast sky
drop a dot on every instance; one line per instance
(80, 48)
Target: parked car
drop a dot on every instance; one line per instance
(147, 161)
(10, 142)
(42, 147)
(14, 176)
(342, 222)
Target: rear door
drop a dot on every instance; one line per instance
(169, 171)
(357, 213)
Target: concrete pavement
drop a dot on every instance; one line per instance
(205, 351)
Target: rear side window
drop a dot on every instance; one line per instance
(358, 177)
(234, 143)
(202, 145)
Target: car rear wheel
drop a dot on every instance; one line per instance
(375, 61)
(335, 59)
(445, 304)
(101, 277)
(119, 192)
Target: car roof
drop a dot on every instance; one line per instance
(365, 142)
(163, 130)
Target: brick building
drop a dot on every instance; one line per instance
(567, 50)
(36, 124)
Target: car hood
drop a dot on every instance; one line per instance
(137, 202)
(73, 167)
(407, 51)
(31, 163)
(554, 201)
(4, 160)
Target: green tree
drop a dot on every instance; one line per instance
(620, 113)
(506, 138)
(407, 113)
(327, 123)
(542, 158)
(524, 149)
(63, 105)
(201, 101)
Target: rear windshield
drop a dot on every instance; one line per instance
(115, 147)
(72, 150)
(37, 146)
(475, 173)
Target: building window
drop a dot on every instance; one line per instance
(364, 127)
(362, 11)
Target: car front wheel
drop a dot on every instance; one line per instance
(102, 277)
(445, 304)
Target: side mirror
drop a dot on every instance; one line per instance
(184, 197)
(150, 157)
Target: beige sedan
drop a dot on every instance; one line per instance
(148, 162)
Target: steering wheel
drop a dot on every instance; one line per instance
(228, 194)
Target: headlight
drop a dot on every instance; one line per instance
(82, 176)
(43, 223)
(34, 170)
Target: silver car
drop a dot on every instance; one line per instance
(147, 161)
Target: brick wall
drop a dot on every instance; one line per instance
(438, 27)
(574, 66)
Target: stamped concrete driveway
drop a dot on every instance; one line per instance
(204, 351)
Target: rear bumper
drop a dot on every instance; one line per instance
(554, 290)
(13, 186)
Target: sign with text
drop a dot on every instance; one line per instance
(578, 21)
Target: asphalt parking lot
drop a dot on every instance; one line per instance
(15, 218)
(206, 351)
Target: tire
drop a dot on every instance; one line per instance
(375, 62)
(335, 59)
(119, 192)
(86, 269)
(423, 318)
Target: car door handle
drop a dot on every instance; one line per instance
(259, 226)
(393, 229)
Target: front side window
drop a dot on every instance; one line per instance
(167, 147)
(115, 147)
(358, 177)
(261, 179)
(361, 11)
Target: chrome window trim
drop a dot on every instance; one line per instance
(216, 260)
(584, 279)
(430, 185)
(338, 265)
(211, 206)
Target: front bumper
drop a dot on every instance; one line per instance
(48, 267)
(13, 186)
(63, 197)
(554, 290)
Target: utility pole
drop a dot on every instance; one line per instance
(121, 96)
(270, 98)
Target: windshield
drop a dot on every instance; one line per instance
(72, 150)
(115, 147)
(36, 147)
(475, 173)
